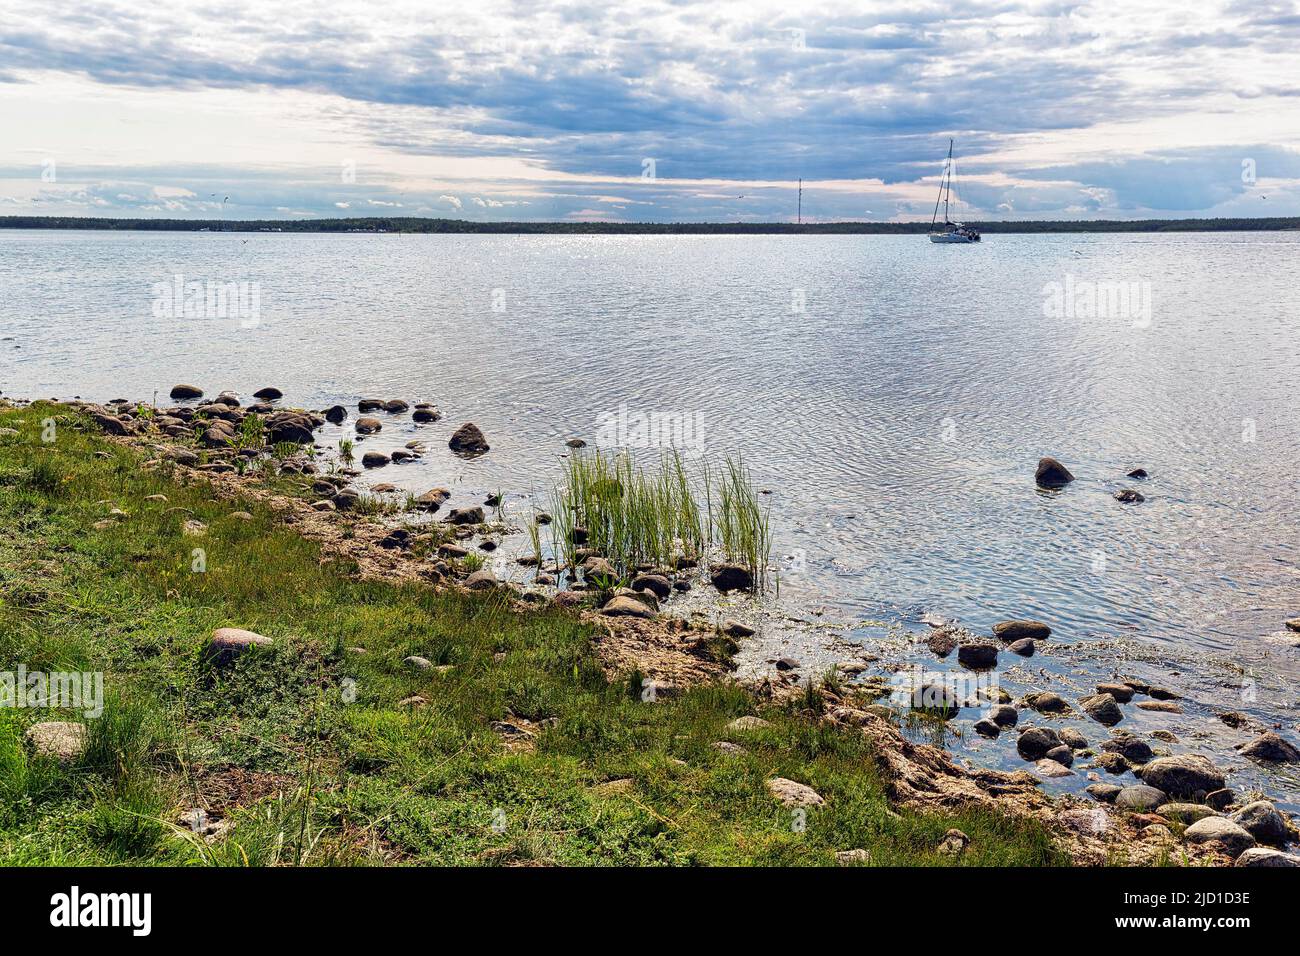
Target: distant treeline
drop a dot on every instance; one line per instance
(635, 228)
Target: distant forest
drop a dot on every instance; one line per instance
(418, 225)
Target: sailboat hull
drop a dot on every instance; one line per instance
(950, 237)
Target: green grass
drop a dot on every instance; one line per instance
(304, 747)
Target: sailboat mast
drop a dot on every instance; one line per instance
(948, 192)
(943, 179)
(801, 200)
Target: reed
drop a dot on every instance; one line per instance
(740, 526)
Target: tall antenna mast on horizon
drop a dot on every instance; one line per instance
(801, 200)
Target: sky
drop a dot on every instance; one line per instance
(643, 110)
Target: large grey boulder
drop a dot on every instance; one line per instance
(1185, 775)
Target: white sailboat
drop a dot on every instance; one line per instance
(951, 231)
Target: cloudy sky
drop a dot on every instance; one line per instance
(649, 110)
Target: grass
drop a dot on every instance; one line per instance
(304, 750)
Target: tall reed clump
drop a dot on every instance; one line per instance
(740, 527)
(635, 516)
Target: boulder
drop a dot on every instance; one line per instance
(395, 406)
(657, 583)
(1185, 775)
(374, 459)
(268, 394)
(1048, 703)
(1062, 755)
(1263, 822)
(481, 580)
(336, 414)
(228, 643)
(733, 628)
(1072, 738)
(1222, 831)
(183, 393)
(290, 426)
(110, 424)
(1129, 496)
(1103, 709)
(1103, 792)
(624, 606)
(346, 499)
(1052, 474)
(424, 415)
(1004, 715)
(370, 404)
(1186, 812)
(1035, 742)
(1140, 798)
(432, 499)
(469, 515)
(1025, 647)
(1010, 631)
(793, 794)
(731, 577)
(1271, 748)
(978, 656)
(1121, 692)
(468, 440)
(936, 699)
(1050, 768)
(1137, 474)
(1134, 749)
(62, 740)
(986, 727)
(1262, 856)
(367, 425)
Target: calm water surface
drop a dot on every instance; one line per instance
(894, 396)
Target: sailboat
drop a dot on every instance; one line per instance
(951, 231)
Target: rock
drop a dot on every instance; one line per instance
(1062, 755)
(1140, 798)
(936, 699)
(1088, 821)
(336, 414)
(1121, 692)
(374, 459)
(941, 642)
(1129, 496)
(657, 583)
(290, 426)
(1162, 693)
(1186, 812)
(370, 404)
(1262, 856)
(977, 656)
(1134, 749)
(241, 516)
(858, 857)
(346, 499)
(1035, 742)
(623, 606)
(787, 664)
(452, 550)
(727, 747)
(228, 643)
(748, 722)
(1004, 715)
(1010, 631)
(324, 505)
(1263, 822)
(954, 843)
(1220, 799)
(186, 392)
(395, 406)
(1161, 706)
(1103, 792)
(109, 424)
(1137, 474)
(1185, 775)
(986, 727)
(468, 440)
(383, 488)
(793, 794)
(268, 394)
(1103, 709)
(481, 580)
(595, 566)
(227, 398)
(1025, 647)
(193, 527)
(731, 577)
(368, 426)
(470, 515)
(62, 740)
(1293, 624)
(1111, 763)
(432, 499)
(416, 662)
(426, 414)
(1048, 703)
(1222, 831)
(413, 701)
(1052, 474)
(1072, 738)
(1271, 748)
(734, 628)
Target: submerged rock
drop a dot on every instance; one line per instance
(1103, 709)
(425, 414)
(374, 459)
(368, 426)
(1052, 474)
(977, 656)
(336, 414)
(1129, 496)
(268, 394)
(184, 392)
(1035, 742)
(1010, 631)
(470, 515)
(1271, 748)
(1025, 647)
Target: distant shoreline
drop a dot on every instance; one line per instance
(453, 226)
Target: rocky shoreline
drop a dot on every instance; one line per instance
(1182, 803)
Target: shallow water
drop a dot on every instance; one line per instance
(893, 395)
